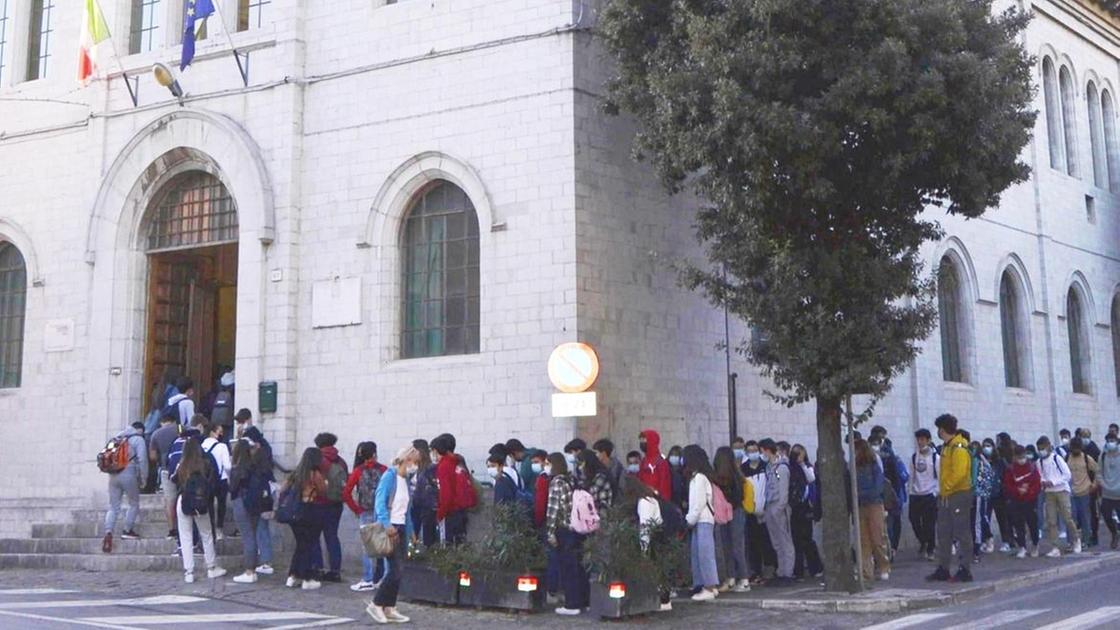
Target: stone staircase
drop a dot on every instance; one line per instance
(77, 545)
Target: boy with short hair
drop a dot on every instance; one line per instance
(1056, 478)
(954, 508)
(923, 492)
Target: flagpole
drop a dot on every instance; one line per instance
(236, 55)
(124, 75)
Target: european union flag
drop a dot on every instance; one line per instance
(196, 10)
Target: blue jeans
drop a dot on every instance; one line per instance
(573, 576)
(247, 523)
(703, 558)
(264, 540)
(1080, 505)
(331, 515)
(734, 542)
(371, 572)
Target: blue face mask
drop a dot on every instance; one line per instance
(754, 457)
(674, 460)
(1111, 446)
(632, 469)
(987, 451)
(740, 454)
(538, 468)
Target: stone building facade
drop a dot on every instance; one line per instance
(366, 131)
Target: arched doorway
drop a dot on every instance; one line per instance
(191, 232)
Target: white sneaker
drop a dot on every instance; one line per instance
(726, 586)
(220, 536)
(188, 578)
(666, 607)
(311, 585)
(704, 596)
(1077, 547)
(1034, 552)
(884, 577)
(392, 615)
(569, 612)
(216, 572)
(363, 586)
(377, 613)
(1054, 553)
(1022, 553)
(742, 586)
(265, 569)
(1005, 548)
(248, 577)
(293, 582)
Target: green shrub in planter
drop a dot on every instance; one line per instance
(506, 567)
(432, 574)
(625, 579)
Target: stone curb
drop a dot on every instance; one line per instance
(904, 604)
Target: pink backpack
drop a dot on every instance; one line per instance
(721, 509)
(584, 518)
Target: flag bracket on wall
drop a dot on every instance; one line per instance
(133, 85)
(242, 59)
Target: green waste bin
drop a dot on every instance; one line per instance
(266, 398)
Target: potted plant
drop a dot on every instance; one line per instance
(506, 569)
(625, 579)
(432, 574)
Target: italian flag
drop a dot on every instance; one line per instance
(94, 31)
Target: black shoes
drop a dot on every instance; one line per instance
(940, 575)
(963, 575)
(173, 534)
(130, 535)
(332, 576)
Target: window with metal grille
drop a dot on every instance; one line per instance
(440, 285)
(39, 41)
(13, 303)
(1078, 343)
(196, 210)
(1010, 327)
(145, 31)
(949, 312)
(3, 38)
(250, 14)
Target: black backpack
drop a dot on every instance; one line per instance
(673, 523)
(196, 495)
(798, 486)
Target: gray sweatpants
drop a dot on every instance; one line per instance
(954, 522)
(124, 482)
(777, 525)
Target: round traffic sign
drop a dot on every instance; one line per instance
(573, 367)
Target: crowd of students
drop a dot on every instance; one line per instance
(749, 510)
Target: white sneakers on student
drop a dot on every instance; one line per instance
(1077, 547)
(705, 595)
(311, 585)
(569, 612)
(293, 582)
(1054, 553)
(377, 613)
(1022, 553)
(265, 569)
(248, 577)
(392, 615)
(363, 586)
(188, 578)
(742, 586)
(216, 572)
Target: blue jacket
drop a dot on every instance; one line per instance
(383, 501)
(505, 491)
(869, 483)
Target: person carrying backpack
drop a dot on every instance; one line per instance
(732, 537)
(895, 473)
(364, 478)
(196, 479)
(807, 558)
(567, 543)
(450, 510)
(222, 411)
(924, 464)
(250, 493)
(296, 507)
(125, 459)
(425, 496)
(776, 514)
(215, 446)
(653, 525)
(182, 403)
(596, 479)
(329, 505)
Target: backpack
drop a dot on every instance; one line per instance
(222, 413)
(985, 480)
(798, 486)
(196, 495)
(673, 523)
(890, 498)
(935, 461)
(367, 487)
(257, 494)
(466, 495)
(290, 506)
(757, 494)
(584, 518)
(114, 458)
(336, 481)
(721, 509)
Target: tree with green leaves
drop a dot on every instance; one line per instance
(825, 137)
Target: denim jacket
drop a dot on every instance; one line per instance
(383, 501)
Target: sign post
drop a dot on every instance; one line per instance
(573, 368)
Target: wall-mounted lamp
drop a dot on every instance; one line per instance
(167, 79)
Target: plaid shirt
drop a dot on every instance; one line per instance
(559, 504)
(600, 489)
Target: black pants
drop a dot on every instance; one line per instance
(391, 584)
(805, 554)
(424, 520)
(1110, 511)
(923, 519)
(306, 533)
(331, 515)
(999, 506)
(1094, 517)
(455, 527)
(1023, 519)
(573, 576)
(759, 550)
(219, 512)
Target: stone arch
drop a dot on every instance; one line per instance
(11, 232)
(954, 248)
(1077, 281)
(1012, 262)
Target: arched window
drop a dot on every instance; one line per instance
(950, 305)
(1111, 151)
(196, 210)
(440, 297)
(1013, 331)
(13, 304)
(1053, 114)
(1078, 343)
(1096, 139)
(1115, 321)
(1069, 120)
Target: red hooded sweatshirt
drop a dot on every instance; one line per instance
(445, 475)
(1022, 482)
(655, 471)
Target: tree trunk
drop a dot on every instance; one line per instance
(835, 521)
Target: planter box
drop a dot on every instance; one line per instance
(638, 597)
(421, 583)
(504, 589)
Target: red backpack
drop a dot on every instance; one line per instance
(466, 498)
(114, 457)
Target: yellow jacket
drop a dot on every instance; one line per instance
(956, 467)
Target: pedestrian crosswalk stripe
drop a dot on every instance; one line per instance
(35, 591)
(19, 615)
(315, 624)
(1090, 619)
(159, 600)
(155, 620)
(906, 622)
(1008, 617)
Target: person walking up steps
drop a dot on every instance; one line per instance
(215, 446)
(125, 459)
(196, 479)
(954, 505)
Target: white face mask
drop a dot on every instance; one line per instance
(632, 469)
(492, 472)
(548, 470)
(411, 469)
(570, 458)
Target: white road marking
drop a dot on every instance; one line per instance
(315, 624)
(1090, 619)
(160, 600)
(34, 591)
(155, 620)
(906, 622)
(59, 620)
(1008, 617)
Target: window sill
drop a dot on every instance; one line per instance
(958, 386)
(1020, 392)
(1083, 396)
(428, 363)
(9, 391)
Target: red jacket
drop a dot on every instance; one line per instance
(540, 500)
(352, 482)
(1022, 482)
(445, 476)
(655, 471)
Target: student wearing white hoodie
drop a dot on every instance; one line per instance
(701, 518)
(1055, 486)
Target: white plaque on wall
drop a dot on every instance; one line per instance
(59, 335)
(336, 302)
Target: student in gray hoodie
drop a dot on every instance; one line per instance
(1110, 485)
(777, 511)
(127, 481)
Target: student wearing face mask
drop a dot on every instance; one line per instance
(392, 507)
(1001, 460)
(654, 470)
(571, 451)
(1055, 487)
(538, 461)
(1063, 443)
(596, 479)
(604, 450)
(1110, 485)
(923, 492)
(1021, 487)
(676, 473)
(633, 463)
(806, 558)
(760, 552)
(954, 502)
(505, 490)
(1083, 483)
(984, 482)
